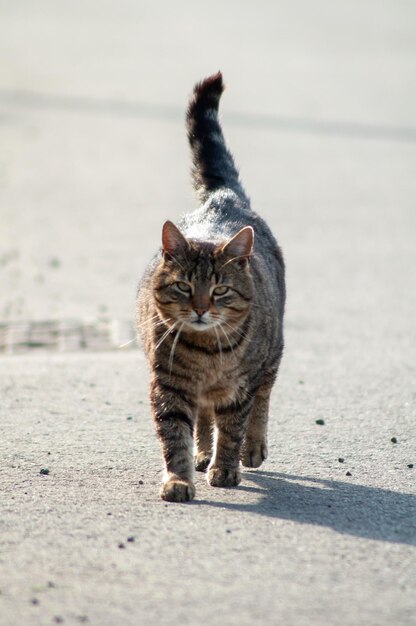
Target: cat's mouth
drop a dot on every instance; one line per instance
(201, 325)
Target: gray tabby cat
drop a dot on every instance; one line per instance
(210, 313)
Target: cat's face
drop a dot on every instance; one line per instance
(199, 286)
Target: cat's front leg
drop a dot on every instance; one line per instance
(231, 423)
(173, 413)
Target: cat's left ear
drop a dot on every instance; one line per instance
(241, 245)
(173, 242)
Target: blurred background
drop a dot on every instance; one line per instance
(319, 111)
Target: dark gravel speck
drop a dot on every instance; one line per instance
(341, 460)
(348, 474)
(141, 482)
(410, 465)
(121, 546)
(393, 439)
(131, 539)
(44, 471)
(34, 601)
(320, 422)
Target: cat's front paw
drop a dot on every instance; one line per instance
(202, 461)
(253, 453)
(220, 477)
(177, 489)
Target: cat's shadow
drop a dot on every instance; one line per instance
(346, 507)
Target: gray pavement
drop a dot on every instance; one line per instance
(320, 113)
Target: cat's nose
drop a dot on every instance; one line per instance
(200, 311)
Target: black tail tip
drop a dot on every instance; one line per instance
(211, 86)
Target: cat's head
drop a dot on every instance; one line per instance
(204, 284)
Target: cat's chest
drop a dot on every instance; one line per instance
(219, 388)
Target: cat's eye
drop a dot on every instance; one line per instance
(184, 287)
(220, 291)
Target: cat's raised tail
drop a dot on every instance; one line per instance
(213, 165)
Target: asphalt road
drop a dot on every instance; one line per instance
(320, 113)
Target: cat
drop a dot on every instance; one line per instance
(210, 314)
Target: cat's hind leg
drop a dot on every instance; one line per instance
(254, 450)
(203, 439)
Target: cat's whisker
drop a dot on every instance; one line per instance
(148, 320)
(172, 350)
(161, 323)
(165, 334)
(123, 345)
(227, 338)
(156, 325)
(152, 322)
(149, 324)
(243, 335)
(218, 342)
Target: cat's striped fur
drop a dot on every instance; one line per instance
(210, 313)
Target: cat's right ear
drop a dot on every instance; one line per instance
(173, 242)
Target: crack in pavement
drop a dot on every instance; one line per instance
(17, 337)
